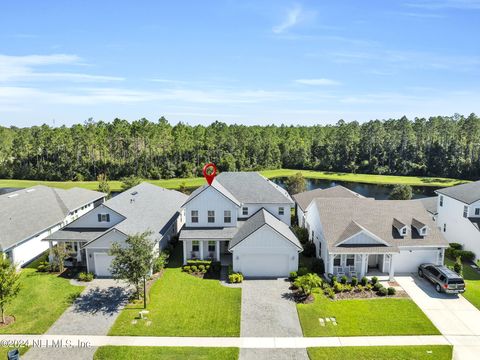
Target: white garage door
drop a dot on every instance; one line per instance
(408, 262)
(268, 265)
(102, 264)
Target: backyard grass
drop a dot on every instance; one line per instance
(196, 182)
(164, 353)
(183, 305)
(472, 282)
(437, 352)
(364, 317)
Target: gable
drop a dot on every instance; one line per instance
(105, 241)
(363, 238)
(90, 219)
(264, 238)
(208, 198)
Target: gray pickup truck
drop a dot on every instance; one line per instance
(444, 279)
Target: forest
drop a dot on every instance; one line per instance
(447, 146)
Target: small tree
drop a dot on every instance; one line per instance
(60, 253)
(134, 261)
(9, 283)
(458, 266)
(296, 183)
(130, 181)
(103, 185)
(401, 192)
(307, 283)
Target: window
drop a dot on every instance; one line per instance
(227, 216)
(350, 260)
(281, 210)
(211, 246)
(313, 235)
(477, 211)
(103, 217)
(444, 227)
(211, 216)
(441, 200)
(195, 245)
(424, 231)
(244, 210)
(404, 231)
(465, 211)
(194, 216)
(336, 261)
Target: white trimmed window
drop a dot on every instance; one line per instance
(336, 260)
(103, 217)
(441, 200)
(465, 211)
(227, 216)
(194, 216)
(211, 216)
(281, 210)
(244, 210)
(477, 211)
(350, 260)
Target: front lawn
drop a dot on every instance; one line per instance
(472, 282)
(437, 352)
(364, 317)
(164, 353)
(183, 305)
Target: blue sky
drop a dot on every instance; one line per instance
(250, 62)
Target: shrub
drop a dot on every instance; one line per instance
(465, 255)
(364, 281)
(458, 266)
(160, 261)
(201, 267)
(391, 291)
(374, 280)
(369, 287)
(359, 288)
(309, 249)
(337, 287)
(293, 275)
(83, 276)
(354, 281)
(343, 279)
(333, 280)
(193, 268)
(377, 286)
(235, 278)
(382, 291)
(307, 283)
(347, 288)
(302, 271)
(329, 292)
(456, 246)
(301, 233)
(318, 266)
(43, 266)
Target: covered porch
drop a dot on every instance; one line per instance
(214, 250)
(359, 265)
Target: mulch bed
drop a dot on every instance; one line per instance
(9, 319)
(367, 295)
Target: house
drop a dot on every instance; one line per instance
(142, 208)
(360, 236)
(459, 215)
(241, 219)
(303, 199)
(28, 216)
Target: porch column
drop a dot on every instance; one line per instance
(184, 252)
(50, 251)
(331, 257)
(79, 254)
(391, 272)
(217, 248)
(362, 266)
(202, 243)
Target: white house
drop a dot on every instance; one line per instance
(144, 207)
(458, 217)
(360, 236)
(244, 219)
(28, 216)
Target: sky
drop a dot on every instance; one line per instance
(245, 62)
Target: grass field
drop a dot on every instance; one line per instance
(164, 353)
(437, 352)
(196, 182)
(366, 317)
(183, 305)
(472, 281)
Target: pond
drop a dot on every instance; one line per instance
(378, 192)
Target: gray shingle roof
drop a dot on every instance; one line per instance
(304, 199)
(430, 204)
(27, 212)
(467, 193)
(76, 234)
(256, 221)
(417, 224)
(377, 216)
(217, 186)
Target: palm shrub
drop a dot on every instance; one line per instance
(337, 287)
(307, 283)
(293, 275)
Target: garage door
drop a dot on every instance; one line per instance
(269, 265)
(102, 264)
(408, 262)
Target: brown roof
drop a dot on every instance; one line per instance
(377, 216)
(417, 224)
(304, 199)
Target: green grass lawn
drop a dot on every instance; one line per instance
(196, 182)
(433, 352)
(472, 282)
(364, 317)
(164, 353)
(183, 305)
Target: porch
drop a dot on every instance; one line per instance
(359, 265)
(214, 250)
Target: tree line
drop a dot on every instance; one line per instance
(438, 146)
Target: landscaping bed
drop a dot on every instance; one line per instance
(472, 282)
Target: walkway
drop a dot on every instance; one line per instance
(93, 313)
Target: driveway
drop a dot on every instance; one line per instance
(453, 315)
(92, 313)
(269, 311)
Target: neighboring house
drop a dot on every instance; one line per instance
(459, 215)
(244, 219)
(303, 199)
(365, 236)
(28, 216)
(144, 207)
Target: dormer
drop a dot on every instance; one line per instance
(420, 227)
(401, 227)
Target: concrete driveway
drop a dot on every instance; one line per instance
(453, 315)
(92, 313)
(269, 311)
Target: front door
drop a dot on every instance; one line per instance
(372, 261)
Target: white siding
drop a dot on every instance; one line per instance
(409, 259)
(362, 238)
(210, 199)
(271, 208)
(90, 220)
(300, 217)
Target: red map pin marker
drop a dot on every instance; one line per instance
(209, 176)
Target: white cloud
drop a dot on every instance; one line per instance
(445, 4)
(294, 16)
(321, 82)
